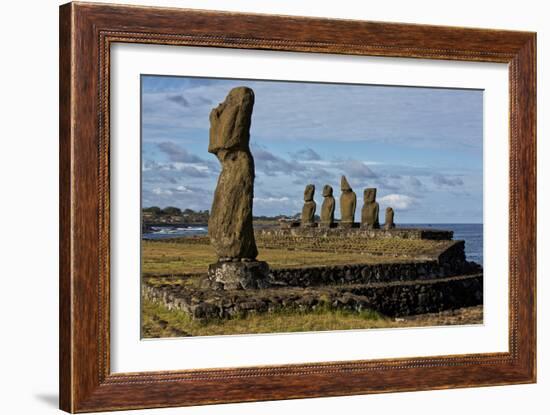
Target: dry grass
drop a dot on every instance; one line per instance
(165, 258)
(195, 254)
(191, 256)
(158, 321)
(355, 244)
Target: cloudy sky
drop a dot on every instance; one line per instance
(421, 147)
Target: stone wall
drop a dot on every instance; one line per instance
(450, 262)
(367, 273)
(391, 298)
(320, 232)
(443, 280)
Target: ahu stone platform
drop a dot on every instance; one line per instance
(355, 231)
(396, 298)
(443, 281)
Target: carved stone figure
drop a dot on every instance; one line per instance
(388, 222)
(308, 211)
(369, 213)
(348, 203)
(230, 224)
(327, 208)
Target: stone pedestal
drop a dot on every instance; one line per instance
(239, 275)
(287, 224)
(348, 225)
(369, 226)
(327, 225)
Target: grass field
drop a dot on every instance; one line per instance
(158, 321)
(193, 255)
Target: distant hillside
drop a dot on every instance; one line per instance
(154, 215)
(171, 215)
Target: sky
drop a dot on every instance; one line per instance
(422, 148)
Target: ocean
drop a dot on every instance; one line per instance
(164, 232)
(471, 233)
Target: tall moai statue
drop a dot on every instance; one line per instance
(369, 213)
(327, 208)
(348, 203)
(230, 224)
(388, 222)
(308, 211)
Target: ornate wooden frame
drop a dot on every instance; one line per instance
(86, 33)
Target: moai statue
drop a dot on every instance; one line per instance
(388, 222)
(348, 202)
(308, 211)
(327, 208)
(230, 223)
(369, 213)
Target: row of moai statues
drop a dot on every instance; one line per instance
(348, 203)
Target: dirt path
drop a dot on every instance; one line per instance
(460, 316)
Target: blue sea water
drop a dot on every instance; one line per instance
(471, 233)
(164, 232)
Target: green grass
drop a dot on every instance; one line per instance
(191, 257)
(158, 321)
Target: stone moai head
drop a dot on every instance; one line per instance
(327, 190)
(230, 122)
(309, 192)
(370, 195)
(344, 185)
(389, 212)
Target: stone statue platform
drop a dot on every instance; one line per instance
(441, 281)
(337, 230)
(235, 275)
(396, 298)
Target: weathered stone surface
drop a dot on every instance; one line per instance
(230, 224)
(449, 263)
(369, 213)
(288, 223)
(388, 222)
(390, 298)
(291, 228)
(385, 247)
(348, 203)
(446, 281)
(238, 275)
(327, 208)
(308, 211)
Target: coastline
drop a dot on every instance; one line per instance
(471, 233)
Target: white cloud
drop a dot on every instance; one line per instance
(162, 192)
(177, 153)
(267, 200)
(306, 154)
(183, 189)
(357, 169)
(276, 205)
(441, 180)
(176, 169)
(411, 116)
(397, 201)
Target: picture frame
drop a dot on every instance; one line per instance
(87, 32)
